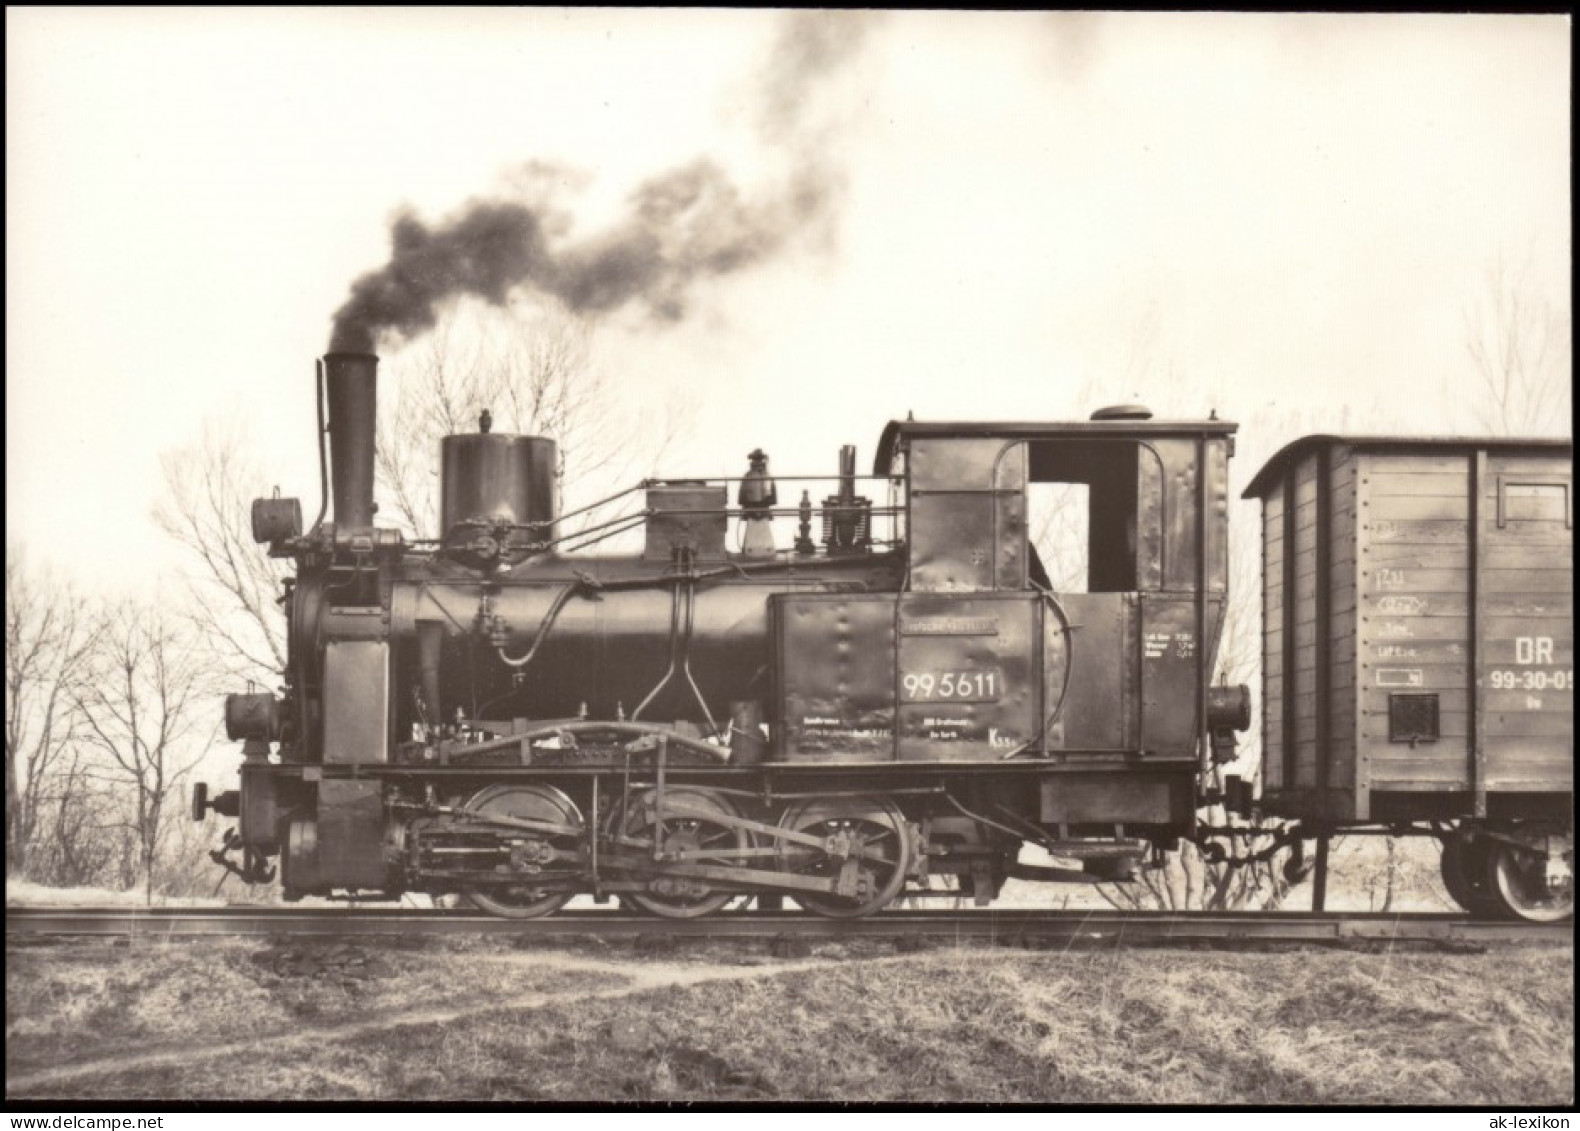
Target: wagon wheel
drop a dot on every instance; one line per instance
(879, 843)
(1517, 885)
(676, 897)
(531, 802)
(1464, 872)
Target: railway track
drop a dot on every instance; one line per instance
(1005, 925)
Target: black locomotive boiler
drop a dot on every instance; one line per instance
(893, 694)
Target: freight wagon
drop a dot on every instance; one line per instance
(1418, 652)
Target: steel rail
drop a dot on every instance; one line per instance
(1004, 925)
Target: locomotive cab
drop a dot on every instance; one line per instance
(1063, 599)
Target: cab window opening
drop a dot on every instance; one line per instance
(1082, 511)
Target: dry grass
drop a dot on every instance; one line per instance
(79, 1002)
(1107, 1026)
(22, 893)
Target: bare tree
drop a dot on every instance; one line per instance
(48, 635)
(80, 839)
(139, 700)
(532, 369)
(234, 587)
(1520, 346)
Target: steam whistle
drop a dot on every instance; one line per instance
(757, 496)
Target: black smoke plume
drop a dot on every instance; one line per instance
(811, 48)
(687, 224)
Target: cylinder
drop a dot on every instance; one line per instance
(493, 478)
(351, 387)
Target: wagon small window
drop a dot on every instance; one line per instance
(1529, 501)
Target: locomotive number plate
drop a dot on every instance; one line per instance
(952, 686)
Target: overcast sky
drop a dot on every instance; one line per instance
(1246, 213)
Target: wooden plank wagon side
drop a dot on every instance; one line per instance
(1418, 652)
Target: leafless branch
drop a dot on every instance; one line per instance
(138, 701)
(1521, 353)
(533, 369)
(48, 635)
(234, 586)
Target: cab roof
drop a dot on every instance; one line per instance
(899, 431)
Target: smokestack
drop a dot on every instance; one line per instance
(351, 385)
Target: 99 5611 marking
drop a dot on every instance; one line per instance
(953, 686)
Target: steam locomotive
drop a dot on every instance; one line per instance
(892, 703)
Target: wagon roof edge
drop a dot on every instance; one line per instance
(1274, 467)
